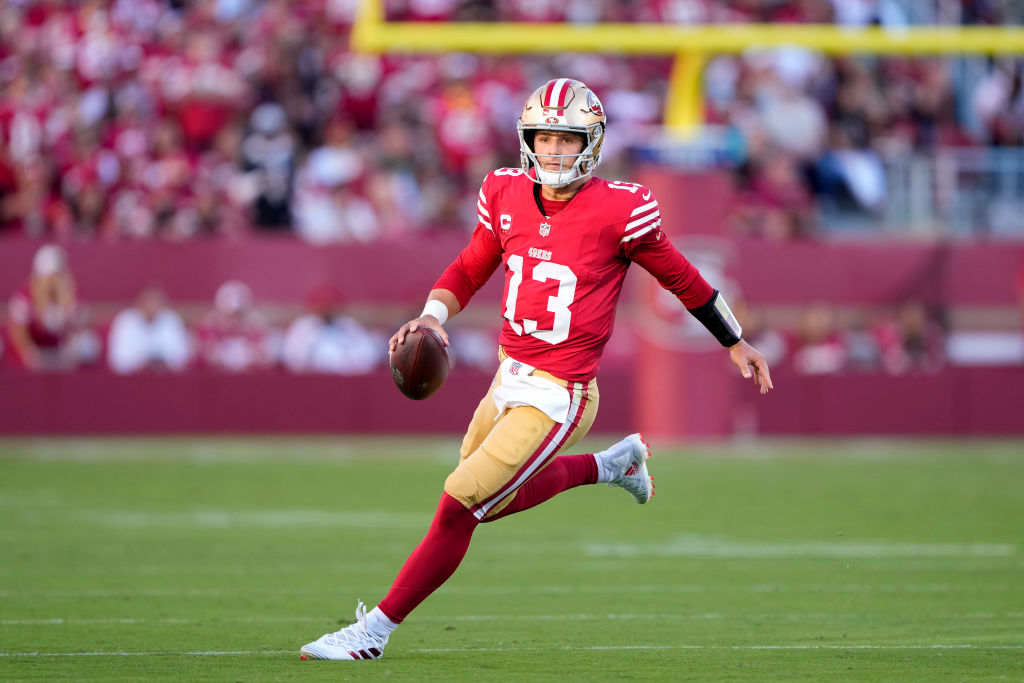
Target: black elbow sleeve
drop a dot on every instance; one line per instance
(719, 320)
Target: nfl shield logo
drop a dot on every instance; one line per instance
(545, 229)
(514, 368)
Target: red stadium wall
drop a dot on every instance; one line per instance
(656, 376)
(98, 402)
(682, 386)
(955, 402)
(958, 402)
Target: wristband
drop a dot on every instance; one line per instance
(716, 316)
(437, 309)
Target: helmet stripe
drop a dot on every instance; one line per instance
(545, 100)
(563, 94)
(555, 94)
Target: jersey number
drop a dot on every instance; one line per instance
(557, 304)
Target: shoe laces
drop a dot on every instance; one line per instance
(627, 463)
(630, 478)
(354, 635)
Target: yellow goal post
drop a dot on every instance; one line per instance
(691, 45)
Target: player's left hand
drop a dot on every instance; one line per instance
(752, 364)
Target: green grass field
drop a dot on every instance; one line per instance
(217, 559)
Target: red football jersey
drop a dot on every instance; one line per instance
(564, 273)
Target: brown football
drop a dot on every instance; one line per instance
(420, 365)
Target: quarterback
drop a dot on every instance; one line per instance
(564, 239)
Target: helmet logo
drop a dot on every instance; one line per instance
(551, 119)
(594, 104)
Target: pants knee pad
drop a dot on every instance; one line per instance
(463, 486)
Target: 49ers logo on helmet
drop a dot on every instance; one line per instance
(594, 104)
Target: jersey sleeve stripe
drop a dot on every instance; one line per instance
(640, 233)
(483, 212)
(486, 224)
(483, 199)
(644, 208)
(642, 220)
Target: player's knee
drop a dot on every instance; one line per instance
(463, 486)
(451, 513)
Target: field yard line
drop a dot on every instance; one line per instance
(61, 621)
(518, 590)
(697, 545)
(214, 518)
(584, 648)
(707, 616)
(207, 653)
(749, 588)
(937, 646)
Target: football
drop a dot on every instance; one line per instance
(420, 365)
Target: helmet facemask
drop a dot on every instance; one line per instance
(563, 105)
(572, 166)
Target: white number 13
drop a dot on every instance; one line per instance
(557, 304)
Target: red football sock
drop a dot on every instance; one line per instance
(433, 561)
(564, 472)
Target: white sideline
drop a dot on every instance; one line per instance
(587, 648)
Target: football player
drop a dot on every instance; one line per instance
(564, 239)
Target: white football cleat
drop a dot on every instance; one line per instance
(626, 462)
(351, 642)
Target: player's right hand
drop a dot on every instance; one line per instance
(427, 321)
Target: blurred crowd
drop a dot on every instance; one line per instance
(48, 328)
(174, 120)
(911, 338)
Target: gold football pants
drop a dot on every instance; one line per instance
(500, 453)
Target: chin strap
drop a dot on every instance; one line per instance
(716, 316)
(551, 178)
(550, 182)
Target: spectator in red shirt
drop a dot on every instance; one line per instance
(45, 327)
(234, 336)
(914, 341)
(818, 348)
